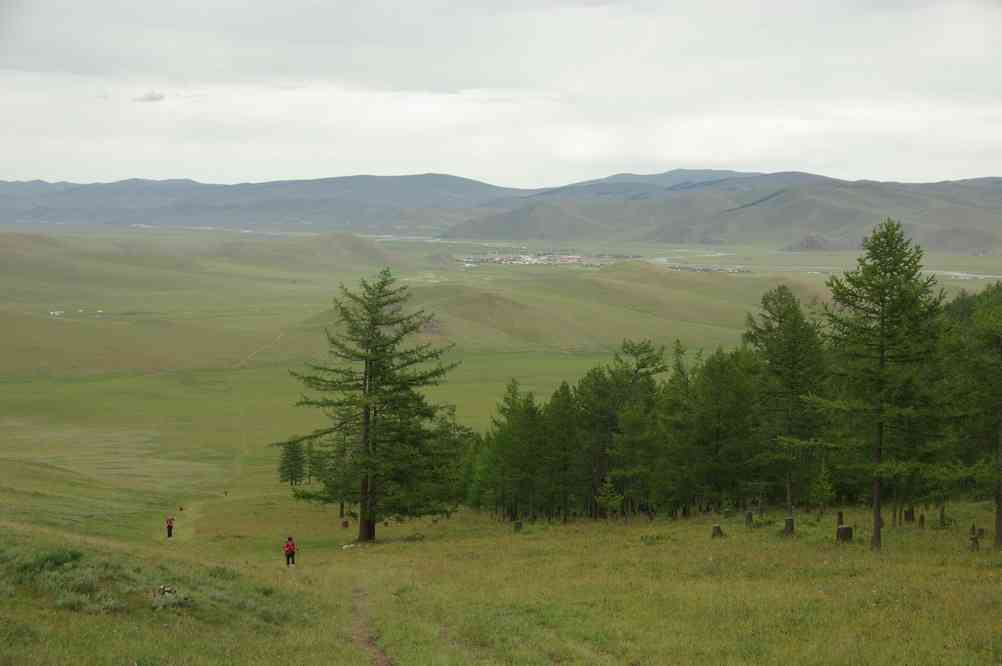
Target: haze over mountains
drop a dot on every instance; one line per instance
(790, 210)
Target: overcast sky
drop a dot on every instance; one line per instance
(516, 92)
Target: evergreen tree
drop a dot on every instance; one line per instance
(595, 397)
(292, 463)
(516, 439)
(977, 359)
(822, 492)
(883, 323)
(636, 443)
(382, 443)
(678, 481)
(563, 486)
(725, 425)
(791, 348)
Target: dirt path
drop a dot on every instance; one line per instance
(362, 632)
(250, 357)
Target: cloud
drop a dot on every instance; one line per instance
(523, 92)
(151, 96)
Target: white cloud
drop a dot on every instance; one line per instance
(524, 92)
(151, 96)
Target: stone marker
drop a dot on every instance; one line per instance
(788, 526)
(717, 532)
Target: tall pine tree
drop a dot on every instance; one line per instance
(791, 347)
(883, 322)
(385, 451)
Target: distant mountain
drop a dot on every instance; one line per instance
(788, 210)
(352, 202)
(794, 210)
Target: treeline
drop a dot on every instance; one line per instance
(890, 394)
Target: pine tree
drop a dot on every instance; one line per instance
(791, 347)
(560, 421)
(381, 446)
(883, 323)
(977, 361)
(609, 501)
(292, 463)
(822, 492)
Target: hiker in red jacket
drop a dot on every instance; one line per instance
(170, 526)
(290, 552)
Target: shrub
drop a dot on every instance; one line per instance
(222, 573)
(171, 601)
(105, 602)
(274, 616)
(72, 601)
(48, 561)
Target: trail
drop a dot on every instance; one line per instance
(247, 359)
(362, 632)
(185, 522)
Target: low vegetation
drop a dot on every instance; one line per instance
(587, 537)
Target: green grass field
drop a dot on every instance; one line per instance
(169, 396)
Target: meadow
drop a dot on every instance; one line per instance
(165, 379)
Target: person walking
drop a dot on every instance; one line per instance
(290, 552)
(170, 526)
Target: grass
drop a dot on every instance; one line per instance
(165, 402)
(97, 603)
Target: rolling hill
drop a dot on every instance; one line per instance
(355, 202)
(792, 210)
(787, 210)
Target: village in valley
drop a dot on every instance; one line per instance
(543, 258)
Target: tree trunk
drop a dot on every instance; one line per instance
(341, 515)
(366, 524)
(878, 521)
(998, 495)
(789, 493)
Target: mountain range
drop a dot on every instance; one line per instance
(788, 210)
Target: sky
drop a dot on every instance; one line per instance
(520, 92)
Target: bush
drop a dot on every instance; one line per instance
(172, 601)
(274, 616)
(106, 603)
(48, 561)
(72, 601)
(222, 573)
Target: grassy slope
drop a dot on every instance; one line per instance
(170, 397)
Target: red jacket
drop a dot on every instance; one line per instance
(290, 547)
